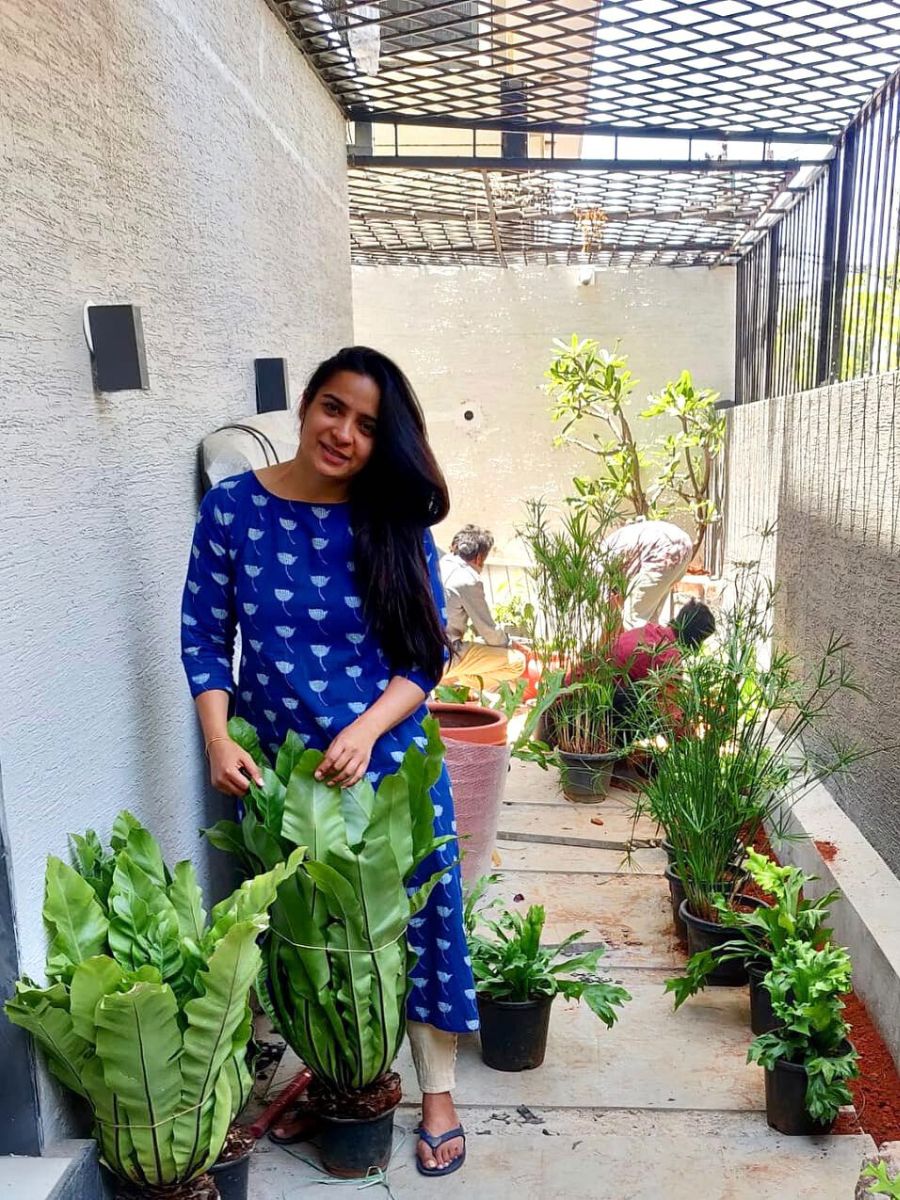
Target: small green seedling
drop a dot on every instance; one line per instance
(884, 1184)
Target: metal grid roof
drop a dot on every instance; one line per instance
(608, 218)
(792, 66)
(715, 74)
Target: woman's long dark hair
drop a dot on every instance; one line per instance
(400, 491)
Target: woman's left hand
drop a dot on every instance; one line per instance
(347, 758)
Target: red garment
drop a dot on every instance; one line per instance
(648, 648)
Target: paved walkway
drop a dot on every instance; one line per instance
(662, 1107)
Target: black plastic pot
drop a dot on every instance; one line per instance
(786, 1100)
(762, 1015)
(233, 1178)
(349, 1147)
(586, 777)
(676, 893)
(514, 1034)
(708, 935)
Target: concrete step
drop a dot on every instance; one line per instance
(572, 825)
(563, 1154)
(67, 1171)
(629, 914)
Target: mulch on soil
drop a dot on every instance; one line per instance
(384, 1094)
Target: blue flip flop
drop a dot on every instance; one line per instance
(434, 1143)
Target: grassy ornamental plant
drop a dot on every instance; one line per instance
(509, 963)
(578, 590)
(732, 743)
(146, 1013)
(761, 934)
(336, 965)
(807, 986)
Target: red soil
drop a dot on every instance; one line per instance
(876, 1093)
(828, 850)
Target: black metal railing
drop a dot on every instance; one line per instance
(817, 296)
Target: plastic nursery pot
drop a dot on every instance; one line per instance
(201, 1188)
(762, 1015)
(349, 1147)
(676, 893)
(786, 1099)
(709, 935)
(470, 723)
(514, 1033)
(586, 777)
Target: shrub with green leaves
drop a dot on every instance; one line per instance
(762, 933)
(336, 965)
(806, 986)
(883, 1184)
(513, 965)
(146, 1014)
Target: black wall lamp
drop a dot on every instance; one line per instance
(115, 338)
(272, 389)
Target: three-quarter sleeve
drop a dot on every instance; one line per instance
(427, 682)
(208, 610)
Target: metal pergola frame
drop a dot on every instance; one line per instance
(481, 131)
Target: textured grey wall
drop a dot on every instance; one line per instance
(181, 157)
(477, 339)
(825, 465)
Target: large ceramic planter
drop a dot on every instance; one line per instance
(586, 777)
(477, 759)
(709, 935)
(514, 1034)
(786, 1100)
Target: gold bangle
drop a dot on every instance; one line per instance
(223, 738)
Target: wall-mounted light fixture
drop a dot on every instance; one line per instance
(115, 338)
(272, 389)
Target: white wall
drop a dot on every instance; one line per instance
(181, 157)
(824, 467)
(480, 339)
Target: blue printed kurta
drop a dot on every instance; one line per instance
(282, 572)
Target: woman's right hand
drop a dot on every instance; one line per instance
(227, 764)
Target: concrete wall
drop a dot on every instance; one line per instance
(184, 158)
(478, 340)
(824, 466)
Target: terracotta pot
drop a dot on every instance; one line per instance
(477, 761)
(470, 723)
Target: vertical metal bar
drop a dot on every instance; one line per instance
(892, 222)
(774, 238)
(740, 349)
(845, 200)
(888, 152)
(826, 293)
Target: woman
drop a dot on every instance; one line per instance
(327, 566)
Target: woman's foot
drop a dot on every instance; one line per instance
(298, 1125)
(438, 1116)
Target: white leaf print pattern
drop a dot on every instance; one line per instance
(217, 549)
(187, 619)
(257, 646)
(318, 582)
(324, 722)
(221, 580)
(356, 706)
(255, 534)
(285, 667)
(254, 573)
(260, 501)
(249, 609)
(219, 613)
(290, 703)
(283, 595)
(288, 526)
(318, 685)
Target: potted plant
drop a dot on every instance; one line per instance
(576, 616)
(808, 1059)
(729, 750)
(760, 934)
(146, 1013)
(517, 980)
(334, 979)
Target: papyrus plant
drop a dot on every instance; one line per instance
(336, 963)
(146, 1013)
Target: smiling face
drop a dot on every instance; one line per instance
(339, 424)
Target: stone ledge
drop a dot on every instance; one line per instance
(866, 919)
